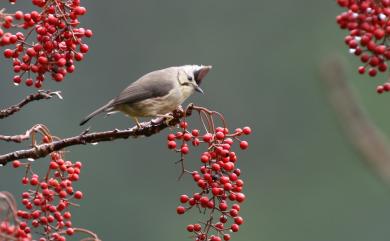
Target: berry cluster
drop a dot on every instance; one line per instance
(218, 178)
(49, 198)
(9, 223)
(57, 45)
(14, 233)
(368, 23)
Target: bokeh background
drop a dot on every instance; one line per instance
(304, 180)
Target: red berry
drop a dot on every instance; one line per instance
(184, 198)
(361, 70)
(386, 87)
(42, 60)
(246, 130)
(190, 228)
(79, 56)
(197, 227)
(228, 166)
(185, 149)
(239, 220)
(16, 164)
(215, 238)
(180, 210)
(240, 197)
(207, 137)
(80, 10)
(53, 165)
(78, 195)
(223, 206)
(235, 227)
(70, 231)
(220, 135)
(88, 33)
(183, 124)
(29, 82)
(171, 144)
(195, 132)
(379, 89)
(233, 212)
(205, 158)
(379, 33)
(8, 53)
(36, 214)
(244, 145)
(84, 48)
(171, 137)
(67, 215)
(187, 136)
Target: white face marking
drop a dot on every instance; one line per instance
(186, 74)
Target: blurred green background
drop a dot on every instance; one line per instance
(304, 180)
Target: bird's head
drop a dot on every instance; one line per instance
(191, 76)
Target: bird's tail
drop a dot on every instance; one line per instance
(96, 112)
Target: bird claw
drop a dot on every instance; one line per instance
(167, 118)
(180, 108)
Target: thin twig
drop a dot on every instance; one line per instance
(363, 134)
(21, 137)
(93, 236)
(42, 94)
(147, 129)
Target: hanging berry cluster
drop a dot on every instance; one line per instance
(9, 223)
(368, 23)
(49, 198)
(57, 43)
(218, 178)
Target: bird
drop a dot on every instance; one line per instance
(156, 94)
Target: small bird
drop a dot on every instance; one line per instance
(156, 93)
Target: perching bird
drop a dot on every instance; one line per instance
(156, 93)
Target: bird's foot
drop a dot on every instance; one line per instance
(167, 118)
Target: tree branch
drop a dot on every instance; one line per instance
(147, 129)
(42, 94)
(21, 137)
(362, 133)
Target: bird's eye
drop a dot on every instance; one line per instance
(189, 78)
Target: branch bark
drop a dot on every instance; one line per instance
(363, 134)
(147, 129)
(42, 94)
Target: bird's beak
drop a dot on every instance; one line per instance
(200, 74)
(197, 88)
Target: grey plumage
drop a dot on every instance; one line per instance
(156, 93)
(155, 84)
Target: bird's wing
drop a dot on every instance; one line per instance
(155, 84)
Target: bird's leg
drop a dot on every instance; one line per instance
(167, 117)
(137, 122)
